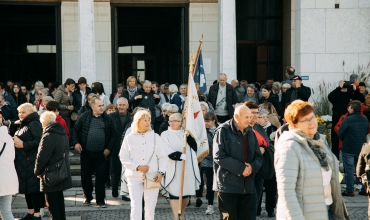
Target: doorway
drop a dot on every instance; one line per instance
(30, 42)
(149, 43)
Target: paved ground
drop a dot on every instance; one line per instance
(118, 209)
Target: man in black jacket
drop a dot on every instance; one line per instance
(94, 136)
(297, 91)
(236, 160)
(223, 97)
(120, 118)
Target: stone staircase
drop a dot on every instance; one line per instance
(75, 163)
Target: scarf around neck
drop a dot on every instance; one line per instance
(316, 144)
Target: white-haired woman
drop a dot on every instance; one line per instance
(45, 101)
(171, 184)
(250, 93)
(26, 141)
(171, 109)
(204, 106)
(159, 120)
(142, 153)
(53, 148)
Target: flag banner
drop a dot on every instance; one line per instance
(199, 74)
(195, 121)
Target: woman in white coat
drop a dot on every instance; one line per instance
(171, 183)
(8, 175)
(142, 153)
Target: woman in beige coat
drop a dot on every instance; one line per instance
(64, 97)
(306, 170)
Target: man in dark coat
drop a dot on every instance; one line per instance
(223, 97)
(352, 132)
(236, 160)
(120, 118)
(53, 148)
(94, 136)
(297, 91)
(339, 98)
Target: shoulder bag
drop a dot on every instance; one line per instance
(55, 173)
(149, 182)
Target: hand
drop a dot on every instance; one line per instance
(354, 87)
(106, 152)
(78, 148)
(262, 149)
(247, 170)
(138, 97)
(341, 83)
(18, 143)
(70, 107)
(156, 96)
(143, 169)
(158, 178)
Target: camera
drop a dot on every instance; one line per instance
(347, 84)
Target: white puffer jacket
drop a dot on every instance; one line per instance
(299, 181)
(8, 175)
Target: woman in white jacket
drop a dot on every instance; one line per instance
(142, 153)
(306, 170)
(8, 175)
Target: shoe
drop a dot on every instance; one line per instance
(210, 210)
(27, 217)
(352, 194)
(271, 215)
(70, 154)
(101, 205)
(36, 218)
(114, 193)
(87, 202)
(125, 198)
(362, 193)
(198, 202)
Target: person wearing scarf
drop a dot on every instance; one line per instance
(306, 169)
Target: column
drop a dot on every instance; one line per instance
(86, 39)
(227, 39)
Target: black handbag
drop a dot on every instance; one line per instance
(267, 170)
(55, 173)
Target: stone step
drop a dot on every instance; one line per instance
(75, 170)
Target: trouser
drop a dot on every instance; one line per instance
(222, 119)
(349, 166)
(35, 201)
(271, 191)
(258, 188)
(234, 206)
(6, 207)
(107, 170)
(115, 171)
(90, 162)
(136, 190)
(208, 171)
(335, 143)
(55, 201)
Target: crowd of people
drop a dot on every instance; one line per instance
(260, 137)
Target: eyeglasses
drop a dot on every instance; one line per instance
(171, 112)
(169, 122)
(313, 119)
(263, 117)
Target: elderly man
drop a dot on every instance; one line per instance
(94, 136)
(223, 97)
(120, 118)
(240, 91)
(236, 160)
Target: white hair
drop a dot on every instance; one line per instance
(286, 85)
(47, 99)
(172, 107)
(205, 105)
(48, 117)
(173, 88)
(139, 115)
(44, 90)
(122, 99)
(165, 106)
(276, 85)
(222, 74)
(39, 83)
(147, 82)
(28, 107)
(176, 116)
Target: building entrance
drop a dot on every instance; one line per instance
(30, 43)
(150, 43)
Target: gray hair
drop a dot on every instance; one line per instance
(39, 83)
(205, 105)
(234, 82)
(48, 117)
(251, 86)
(165, 106)
(47, 99)
(173, 88)
(172, 107)
(286, 86)
(353, 77)
(122, 99)
(222, 74)
(176, 116)
(147, 83)
(262, 111)
(28, 107)
(44, 90)
(276, 85)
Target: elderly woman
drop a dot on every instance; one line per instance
(142, 153)
(250, 93)
(171, 109)
(272, 115)
(204, 106)
(65, 99)
(53, 148)
(173, 138)
(26, 141)
(8, 175)
(306, 169)
(285, 87)
(42, 93)
(159, 120)
(269, 96)
(45, 101)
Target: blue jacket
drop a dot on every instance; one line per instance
(176, 99)
(353, 133)
(228, 160)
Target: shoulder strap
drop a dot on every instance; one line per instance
(2, 150)
(152, 153)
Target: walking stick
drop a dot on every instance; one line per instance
(184, 143)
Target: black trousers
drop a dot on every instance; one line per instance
(35, 201)
(208, 171)
(234, 206)
(258, 189)
(90, 162)
(222, 119)
(334, 142)
(55, 201)
(107, 171)
(271, 192)
(115, 171)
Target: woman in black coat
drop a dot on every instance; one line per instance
(269, 96)
(53, 148)
(26, 141)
